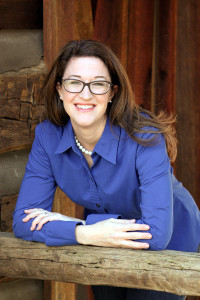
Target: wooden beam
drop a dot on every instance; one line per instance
(169, 271)
(20, 108)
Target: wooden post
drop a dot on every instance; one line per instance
(64, 20)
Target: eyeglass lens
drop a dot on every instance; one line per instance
(96, 87)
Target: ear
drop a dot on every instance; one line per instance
(59, 89)
(113, 91)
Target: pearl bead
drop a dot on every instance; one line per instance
(82, 148)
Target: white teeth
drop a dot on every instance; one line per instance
(84, 106)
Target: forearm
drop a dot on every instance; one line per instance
(54, 233)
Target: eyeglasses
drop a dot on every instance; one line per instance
(95, 87)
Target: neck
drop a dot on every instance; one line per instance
(88, 137)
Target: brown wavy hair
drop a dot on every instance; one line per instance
(123, 111)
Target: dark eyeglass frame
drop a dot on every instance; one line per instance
(88, 84)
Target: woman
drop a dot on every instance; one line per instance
(111, 157)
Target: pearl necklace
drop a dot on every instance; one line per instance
(81, 147)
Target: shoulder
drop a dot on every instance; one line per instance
(46, 127)
(48, 134)
(46, 130)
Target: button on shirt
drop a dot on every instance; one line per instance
(126, 180)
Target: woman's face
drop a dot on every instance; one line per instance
(86, 109)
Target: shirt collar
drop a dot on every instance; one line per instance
(106, 147)
(67, 140)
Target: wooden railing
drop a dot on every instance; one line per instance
(170, 271)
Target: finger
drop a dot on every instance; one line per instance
(134, 245)
(45, 220)
(28, 211)
(137, 236)
(135, 227)
(37, 220)
(33, 213)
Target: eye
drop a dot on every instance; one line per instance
(100, 83)
(74, 82)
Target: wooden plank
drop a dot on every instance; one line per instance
(64, 205)
(187, 95)
(128, 30)
(108, 26)
(140, 49)
(169, 271)
(165, 63)
(65, 20)
(20, 14)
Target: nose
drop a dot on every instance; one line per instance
(86, 94)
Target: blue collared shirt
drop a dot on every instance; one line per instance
(126, 180)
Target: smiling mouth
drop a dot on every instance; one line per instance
(84, 106)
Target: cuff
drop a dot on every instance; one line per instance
(94, 218)
(61, 233)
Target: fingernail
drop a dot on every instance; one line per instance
(149, 235)
(147, 227)
(146, 245)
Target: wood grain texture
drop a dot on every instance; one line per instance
(20, 14)
(187, 95)
(140, 49)
(128, 30)
(20, 109)
(65, 20)
(7, 206)
(169, 271)
(55, 290)
(165, 43)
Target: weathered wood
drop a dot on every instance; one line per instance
(188, 94)
(65, 20)
(165, 61)
(20, 14)
(64, 205)
(140, 49)
(20, 109)
(169, 271)
(128, 30)
(7, 206)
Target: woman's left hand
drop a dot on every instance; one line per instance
(43, 216)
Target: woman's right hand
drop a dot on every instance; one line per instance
(114, 233)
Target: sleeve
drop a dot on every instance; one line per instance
(37, 191)
(94, 218)
(153, 168)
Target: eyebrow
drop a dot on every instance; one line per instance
(94, 77)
